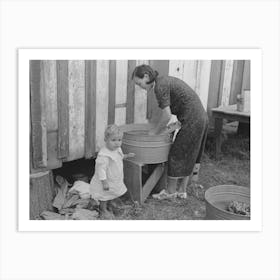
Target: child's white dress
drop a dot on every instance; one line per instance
(108, 165)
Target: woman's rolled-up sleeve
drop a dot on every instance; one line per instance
(101, 166)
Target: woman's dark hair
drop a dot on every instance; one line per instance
(143, 69)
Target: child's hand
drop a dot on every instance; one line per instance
(129, 155)
(105, 186)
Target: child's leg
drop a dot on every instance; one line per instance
(103, 207)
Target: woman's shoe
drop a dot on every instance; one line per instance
(164, 195)
(182, 195)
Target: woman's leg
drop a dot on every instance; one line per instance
(195, 172)
(171, 184)
(182, 187)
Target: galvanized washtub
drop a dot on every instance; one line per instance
(148, 149)
(218, 198)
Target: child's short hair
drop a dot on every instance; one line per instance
(112, 130)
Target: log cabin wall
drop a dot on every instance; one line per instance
(72, 101)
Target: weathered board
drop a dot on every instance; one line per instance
(130, 100)
(120, 116)
(121, 92)
(227, 82)
(50, 88)
(76, 109)
(236, 81)
(246, 75)
(140, 105)
(203, 80)
(62, 108)
(102, 99)
(214, 85)
(153, 111)
(38, 114)
(90, 108)
(112, 92)
(190, 72)
(41, 193)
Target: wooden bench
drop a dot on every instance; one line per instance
(133, 179)
(230, 113)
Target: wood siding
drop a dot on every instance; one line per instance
(72, 101)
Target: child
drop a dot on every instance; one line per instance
(107, 182)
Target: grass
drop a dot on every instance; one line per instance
(232, 167)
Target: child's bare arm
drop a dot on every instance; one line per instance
(129, 155)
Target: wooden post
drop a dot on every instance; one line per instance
(218, 135)
(153, 111)
(62, 108)
(37, 111)
(41, 193)
(236, 82)
(90, 108)
(112, 91)
(130, 92)
(133, 179)
(152, 181)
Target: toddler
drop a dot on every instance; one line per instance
(107, 182)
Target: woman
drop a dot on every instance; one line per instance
(175, 97)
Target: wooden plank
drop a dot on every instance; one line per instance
(222, 82)
(37, 111)
(176, 68)
(122, 105)
(190, 72)
(53, 162)
(236, 83)
(120, 116)
(50, 86)
(121, 91)
(62, 108)
(246, 76)
(227, 82)
(153, 111)
(76, 76)
(152, 181)
(140, 102)
(203, 81)
(90, 108)
(214, 85)
(112, 91)
(121, 81)
(130, 92)
(133, 179)
(102, 99)
(41, 193)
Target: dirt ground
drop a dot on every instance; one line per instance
(232, 167)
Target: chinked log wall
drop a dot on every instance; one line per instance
(73, 101)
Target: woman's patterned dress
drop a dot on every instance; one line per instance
(189, 144)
